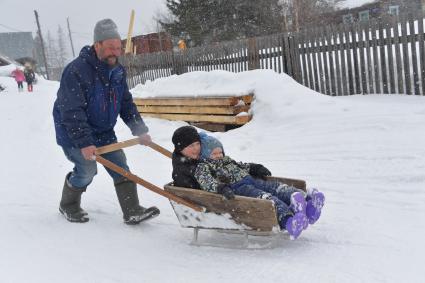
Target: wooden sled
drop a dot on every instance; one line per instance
(198, 209)
(244, 215)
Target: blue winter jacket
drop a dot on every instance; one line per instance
(89, 99)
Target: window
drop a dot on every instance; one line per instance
(347, 19)
(394, 10)
(364, 16)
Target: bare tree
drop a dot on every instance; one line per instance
(305, 13)
(62, 53)
(52, 52)
(38, 54)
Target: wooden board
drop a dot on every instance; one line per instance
(399, 64)
(390, 57)
(297, 183)
(250, 213)
(416, 82)
(406, 60)
(219, 119)
(421, 50)
(375, 46)
(382, 57)
(211, 127)
(222, 110)
(355, 30)
(362, 53)
(342, 46)
(195, 101)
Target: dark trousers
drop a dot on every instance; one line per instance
(277, 192)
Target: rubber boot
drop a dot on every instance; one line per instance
(299, 204)
(71, 201)
(133, 213)
(295, 224)
(315, 203)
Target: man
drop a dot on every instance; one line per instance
(93, 92)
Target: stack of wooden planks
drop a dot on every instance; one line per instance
(217, 112)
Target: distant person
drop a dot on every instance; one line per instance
(93, 92)
(181, 44)
(19, 78)
(29, 77)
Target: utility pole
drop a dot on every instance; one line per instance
(159, 36)
(129, 34)
(70, 38)
(42, 44)
(297, 15)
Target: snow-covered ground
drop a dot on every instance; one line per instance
(365, 152)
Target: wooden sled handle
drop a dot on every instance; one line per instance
(131, 142)
(146, 184)
(161, 150)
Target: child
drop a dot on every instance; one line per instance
(19, 78)
(187, 146)
(29, 77)
(186, 155)
(212, 149)
(204, 160)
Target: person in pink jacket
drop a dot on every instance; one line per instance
(19, 78)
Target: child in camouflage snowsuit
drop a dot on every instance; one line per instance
(214, 172)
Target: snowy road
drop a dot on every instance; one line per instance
(365, 152)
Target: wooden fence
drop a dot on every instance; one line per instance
(385, 56)
(271, 52)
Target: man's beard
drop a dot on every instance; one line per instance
(111, 60)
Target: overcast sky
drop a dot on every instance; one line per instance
(83, 15)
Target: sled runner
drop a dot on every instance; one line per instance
(199, 209)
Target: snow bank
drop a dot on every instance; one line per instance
(5, 71)
(365, 152)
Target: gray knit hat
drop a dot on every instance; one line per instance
(105, 29)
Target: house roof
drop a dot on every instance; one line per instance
(4, 60)
(348, 4)
(16, 45)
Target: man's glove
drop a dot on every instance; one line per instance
(225, 191)
(259, 171)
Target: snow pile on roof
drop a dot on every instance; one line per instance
(348, 4)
